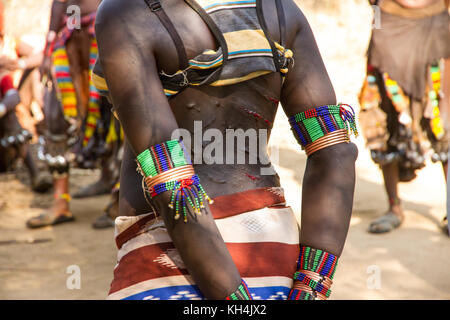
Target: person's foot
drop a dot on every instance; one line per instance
(49, 218)
(386, 223)
(103, 222)
(59, 213)
(98, 188)
(42, 182)
(106, 220)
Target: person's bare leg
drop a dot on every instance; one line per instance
(110, 213)
(102, 186)
(394, 217)
(61, 204)
(40, 180)
(391, 180)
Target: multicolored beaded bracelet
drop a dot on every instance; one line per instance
(167, 167)
(314, 275)
(241, 293)
(313, 127)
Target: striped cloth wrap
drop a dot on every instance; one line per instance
(260, 232)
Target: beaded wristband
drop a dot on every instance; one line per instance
(313, 127)
(241, 293)
(314, 275)
(167, 167)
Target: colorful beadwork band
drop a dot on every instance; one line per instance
(312, 127)
(167, 167)
(162, 157)
(241, 293)
(314, 275)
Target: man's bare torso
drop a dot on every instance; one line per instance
(248, 105)
(146, 49)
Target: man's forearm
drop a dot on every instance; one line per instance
(202, 249)
(327, 200)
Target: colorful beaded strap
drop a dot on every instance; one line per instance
(162, 157)
(314, 275)
(312, 127)
(241, 293)
(167, 167)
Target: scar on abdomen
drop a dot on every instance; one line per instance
(253, 178)
(256, 115)
(275, 101)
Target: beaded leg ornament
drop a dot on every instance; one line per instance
(314, 275)
(63, 196)
(324, 126)
(241, 293)
(167, 167)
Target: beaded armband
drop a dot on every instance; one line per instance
(314, 275)
(167, 167)
(324, 126)
(241, 293)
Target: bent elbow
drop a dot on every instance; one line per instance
(344, 152)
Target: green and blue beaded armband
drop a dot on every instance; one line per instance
(314, 275)
(167, 167)
(321, 127)
(241, 293)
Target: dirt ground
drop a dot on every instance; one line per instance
(412, 262)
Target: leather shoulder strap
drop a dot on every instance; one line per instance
(156, 8)
(281, 21)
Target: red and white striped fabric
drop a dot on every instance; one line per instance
(260, 232)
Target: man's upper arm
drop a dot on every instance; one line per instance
(307, 84)
(131, 74)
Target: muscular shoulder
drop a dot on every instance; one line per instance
(117, 19)
(293, 15)
(295, 19)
